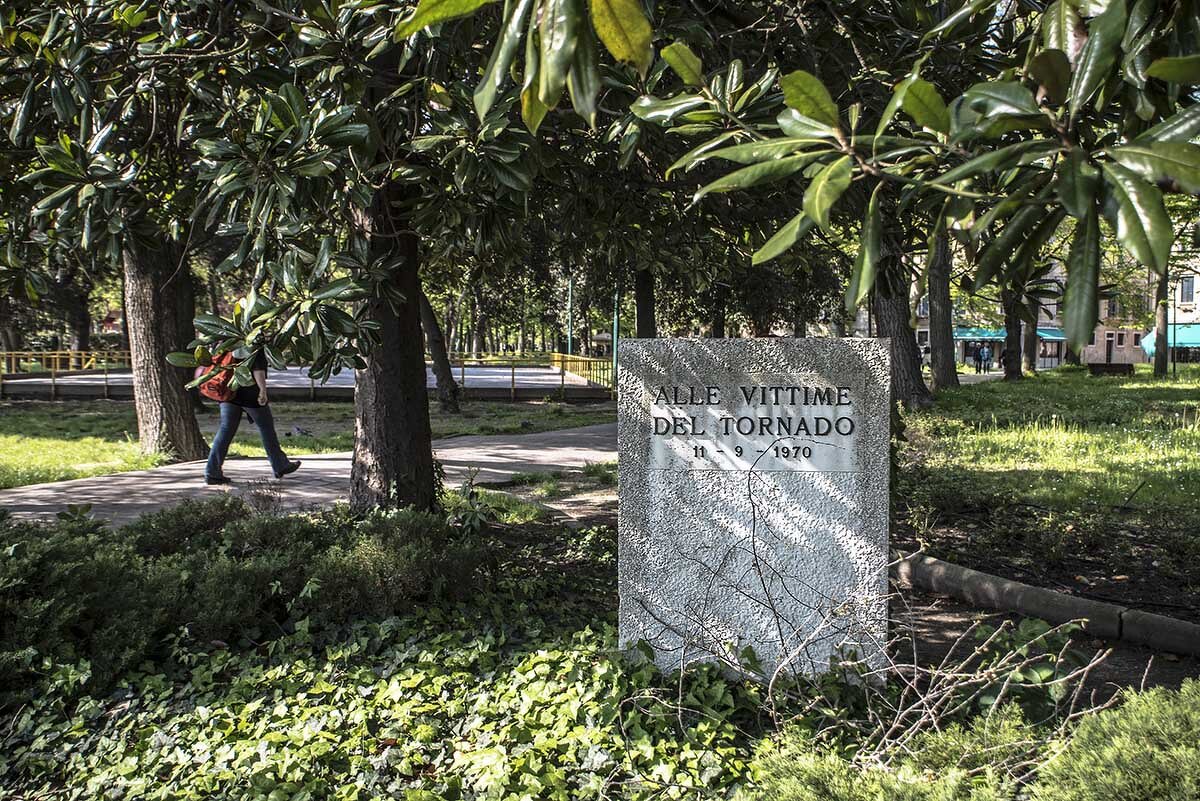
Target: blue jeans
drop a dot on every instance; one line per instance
(231, 418)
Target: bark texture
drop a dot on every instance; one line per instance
(892, 319)
(643, 300)
(166, 422)
(393, 457)
(1030, 347)
(1162, 353)
(1012, 335)
(447, 387)
(942, 362)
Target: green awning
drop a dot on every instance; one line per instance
(978, 333)
(1044, 334)
(1179, 335)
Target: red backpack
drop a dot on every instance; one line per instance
(217, 388)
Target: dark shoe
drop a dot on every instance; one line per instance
(219, 480)
(292, 467)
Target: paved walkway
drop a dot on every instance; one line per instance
(324, 478)
(474, 377)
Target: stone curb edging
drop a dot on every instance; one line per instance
(1105, 620)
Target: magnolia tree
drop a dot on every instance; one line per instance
(1081, 117)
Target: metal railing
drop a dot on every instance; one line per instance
(62, 361)
(591, 369)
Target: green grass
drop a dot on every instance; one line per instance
(54, 441)
(1063, 469)
(42, 442)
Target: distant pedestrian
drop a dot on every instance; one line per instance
(253, 402)
(985, 355)
(978, 358)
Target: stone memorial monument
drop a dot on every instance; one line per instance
(754, 500)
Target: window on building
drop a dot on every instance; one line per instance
(1112, 308)
(1187, 289)
(923, 307)
(1092, 341)
(1120, 339)
(1137, 339)
(923, 336)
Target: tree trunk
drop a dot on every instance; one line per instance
(1162, 347)
(942, 362)
(393, 455)
(1012, 335)
(447, 388)
(124, 316)
(479, 338)
(1030, 347)
(185, 315)
(166, 422)
(893, 320)
(643, 302)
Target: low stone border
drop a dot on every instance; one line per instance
(1105, 620)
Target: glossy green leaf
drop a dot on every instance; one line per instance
(1180, 127)
(659, 110)
(431, 12)
(893, 105)
(687, 65)
(788, 235)
(756, 174)
(502, 57)
(623, 28)
(533, 110)
(1001, 159)
(1081, 308)
(804, 92)
(341, 289)
(1006, 243)
(798, 126)
(1063, 29)
(1176, 69)
(700, 152)
(558, 33)
(922, 102)
(754, 152)
(997, 98)
(1098, 56)
(1078, 182)
(866, 263)
(1143, 227)
(825, 189)
(964, 12)
(213, 325)
(1171, 165)
(583, 81)
(1052, 71)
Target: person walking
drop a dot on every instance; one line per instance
(253, 402)
(978, 358)
(985, 355)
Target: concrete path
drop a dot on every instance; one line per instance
(324, 478)
(497, 377)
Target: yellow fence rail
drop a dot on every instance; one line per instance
(62, 361)
(593, 370)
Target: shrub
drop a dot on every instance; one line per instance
(998, 740)
(190, 524)
(74, 591)
(391, 558)
(799, 770)
(1148, 749)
